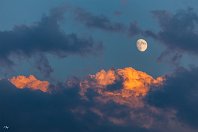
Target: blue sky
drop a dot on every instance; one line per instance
(119, 49)
(56, 40)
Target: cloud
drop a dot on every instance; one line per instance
(42, 64)
(134, 29)
(44, 36)
(178, 32)
(134, 88)
(124, 89)
(134, 82)
(97, 21)
(104, 23)
(170, 57)
(114, 100)
(102, 106)
(32, 110)
(180, 93)
(29, 82)
(26, 110)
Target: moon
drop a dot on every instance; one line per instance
(141, 45)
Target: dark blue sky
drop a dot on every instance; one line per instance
(64, 41)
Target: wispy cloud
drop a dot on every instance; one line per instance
(44, 36)
(178, 32)
(97, 21)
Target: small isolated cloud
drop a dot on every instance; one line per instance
(29, 82)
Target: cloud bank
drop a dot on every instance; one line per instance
(113, 100)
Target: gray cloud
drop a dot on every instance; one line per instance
(43, 37)
(61, 110)
(42, 64)
(179, 30)
(104, 23)
(97, 21)
(134, 29)
(179, 93)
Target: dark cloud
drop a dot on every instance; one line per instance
(104, 23)
(149, 33)
(63, 110)
(170, 57)
(134, 29)
(43, 37)
(25, 110)
(97, 21)
(42, 64)
(178, 31)
(180, 93)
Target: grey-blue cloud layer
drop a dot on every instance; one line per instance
(43, 37)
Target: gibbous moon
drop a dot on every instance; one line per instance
(141, 45)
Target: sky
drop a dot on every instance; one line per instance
(74, 66)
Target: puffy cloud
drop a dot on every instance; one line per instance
(31, 110)
(134, 82)
(126, 88)
(110, 99)
(106, 101)
(29, 82)
(105, 78)
(137, 81)
(120, 91)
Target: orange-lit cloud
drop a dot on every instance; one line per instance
(131, 87)
(105, 78)
(137, 81)
(29, 82)
(134, 83)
